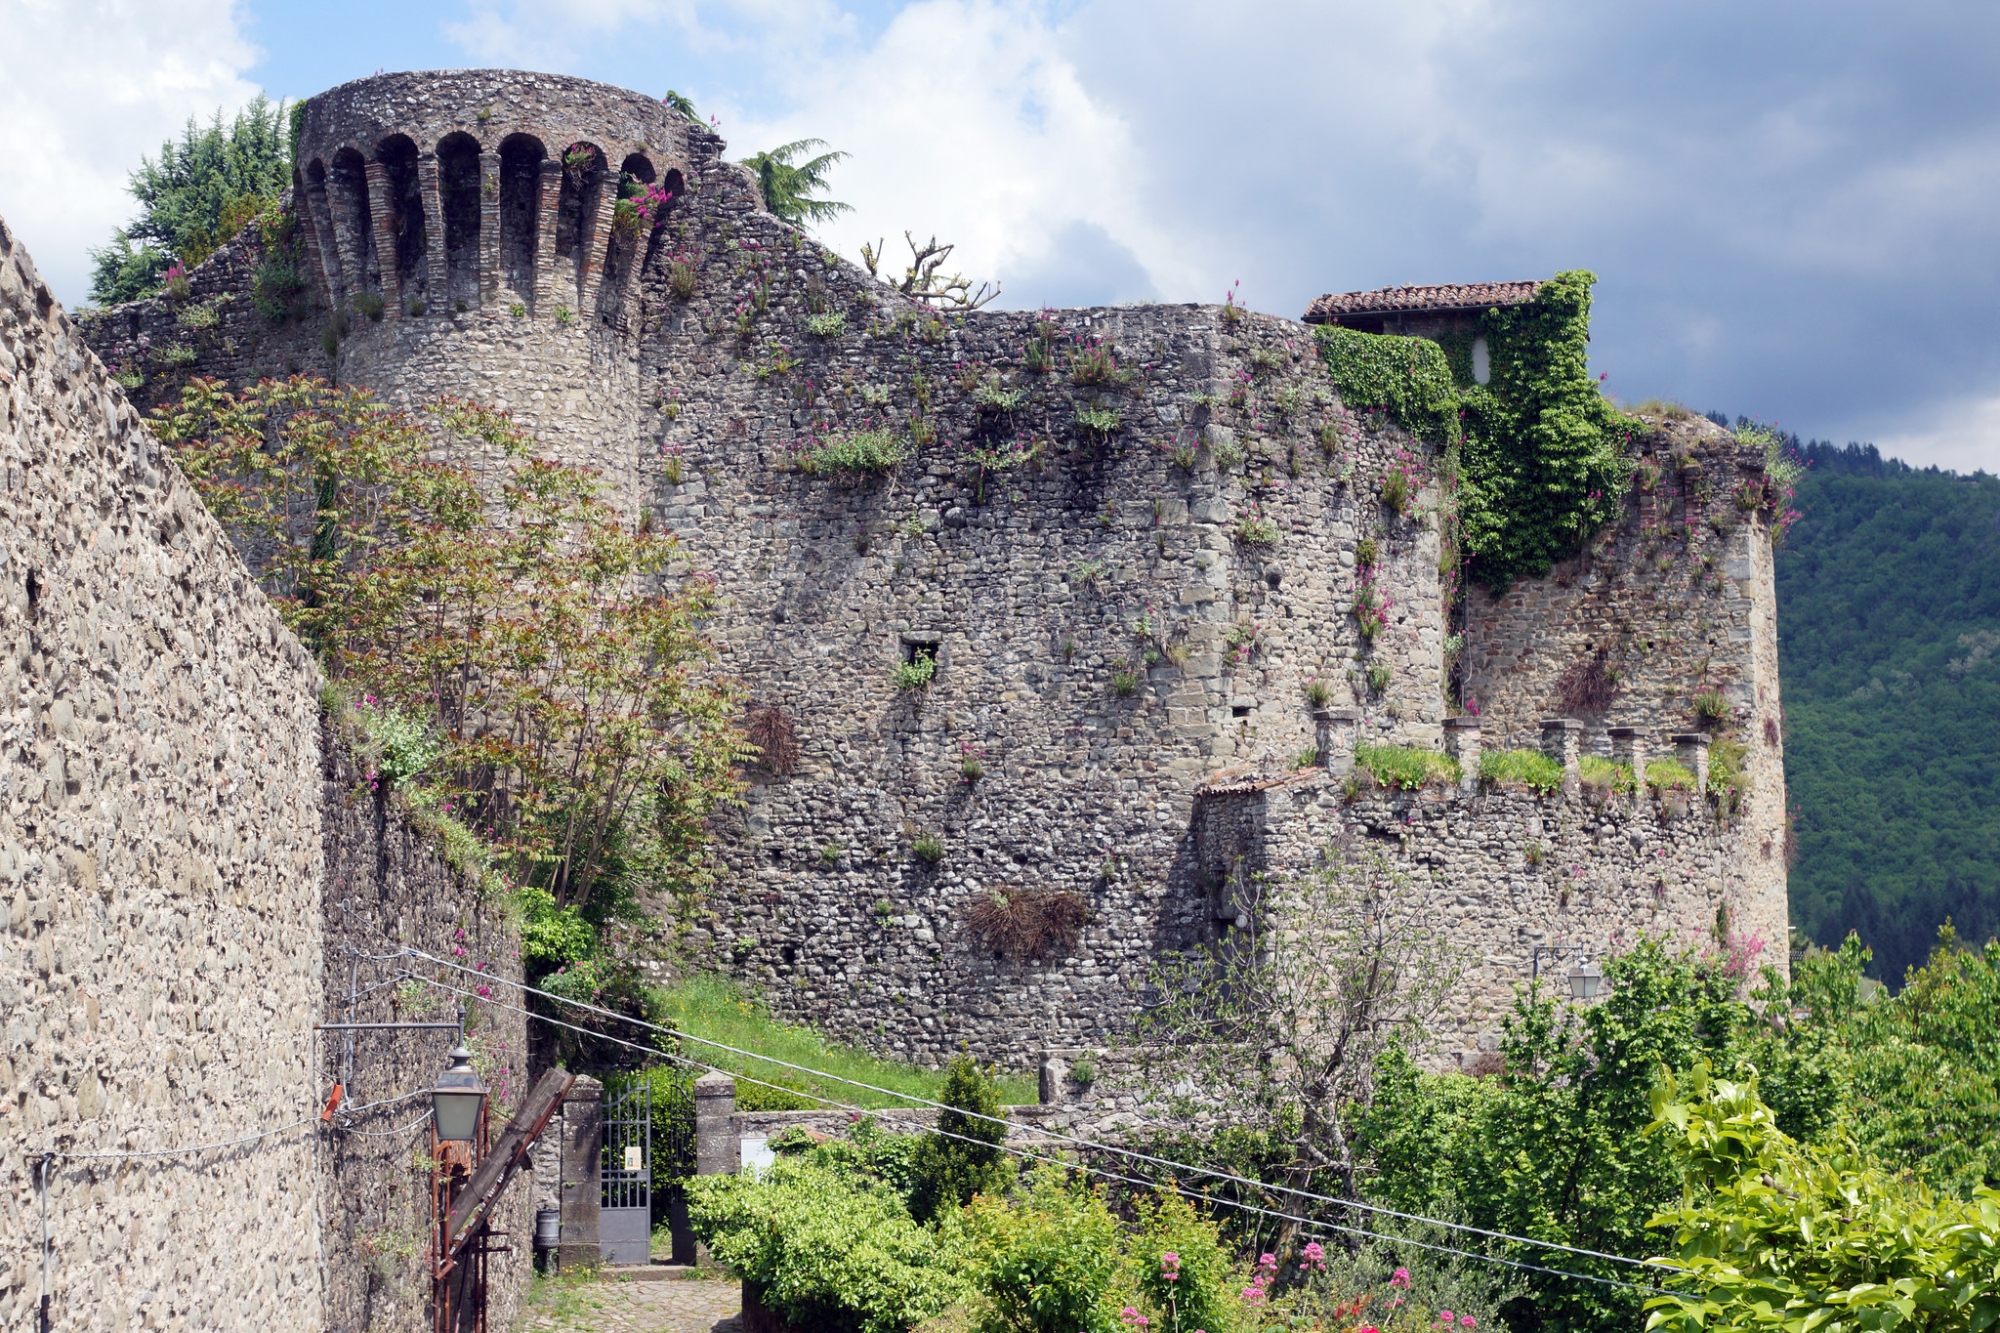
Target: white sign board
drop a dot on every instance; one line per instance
(635, 1159)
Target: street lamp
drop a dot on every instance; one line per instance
(1585, 980)
(457, 1099)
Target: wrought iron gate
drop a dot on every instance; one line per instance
(625, 1229)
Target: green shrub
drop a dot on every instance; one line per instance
(1099, 423)
(963, 1158)
(829, 325)
(1668, 775)
(1183, 1271)
(1521, 768)
(179, 354)
(369, 304)
(857, 451)
(1603, 775)
(1051, 1263)
(928, 846)
(1711, 706)
(1727, 777)
(914, 674)
(1405, 767)
(825, 1250)
(551, 935)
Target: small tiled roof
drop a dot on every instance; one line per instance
(1445, 296)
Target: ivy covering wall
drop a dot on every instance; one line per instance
(1542, 461)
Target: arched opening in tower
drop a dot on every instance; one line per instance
(520, 192)
(640, 208)
(347, 196)
(321, 217)
(458, 190)
(583, 180)
(398, 154)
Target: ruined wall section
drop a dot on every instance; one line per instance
(1107, 632)
(1502, 872)
(387, 887)
(1677, 598)
(159, 870)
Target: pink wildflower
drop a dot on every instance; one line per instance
(1467, 1321)
(1401, 1278)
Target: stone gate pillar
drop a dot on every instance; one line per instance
(582, 1167)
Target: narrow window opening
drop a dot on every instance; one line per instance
(1239, 710)
(1482, 361)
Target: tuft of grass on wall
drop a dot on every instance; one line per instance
(714, 1008)
(1406, 767)
(1521, 768)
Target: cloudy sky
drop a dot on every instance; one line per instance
(1793, 209)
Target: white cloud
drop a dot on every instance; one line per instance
(967, 119)
(1963, 436)
(85, 91)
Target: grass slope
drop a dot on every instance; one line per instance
(712, 1008)
(1889, 631)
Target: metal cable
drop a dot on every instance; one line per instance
(1031, 1156)
(1130, 1153)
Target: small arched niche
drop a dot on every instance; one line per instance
(398, 155)
(521, 157)
(584, 177)
(458, 190)
(347, 197)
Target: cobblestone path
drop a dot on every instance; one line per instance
(673, 1306)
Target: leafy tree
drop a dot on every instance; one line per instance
(1772, 1235)
(1290, 1010)
(790, 185)
(1552, 1147)
(963, 1158)
(555, 657)
(194, 197)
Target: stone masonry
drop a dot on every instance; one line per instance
(188, 868)
(1127, 537)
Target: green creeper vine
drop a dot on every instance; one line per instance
(1544, 460)
(1535, 460)
(1406, 377)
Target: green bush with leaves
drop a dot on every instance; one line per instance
(1772, 1235)
(1051, 1263)
(962, 1158)
(1184, 1273)
(826, 1249)
(1406, 377)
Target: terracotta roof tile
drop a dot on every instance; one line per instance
(1446, 296)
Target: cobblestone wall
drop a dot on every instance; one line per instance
(159, 871)
(183, 856)
(387, 888)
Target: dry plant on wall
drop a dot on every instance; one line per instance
(1292, 1008)
(769, 728)
(1026, 925)
(922, 281)
(1588, 685)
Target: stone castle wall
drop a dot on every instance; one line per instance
(1675, 599)
(159, 797)
(1110, 630)
(182, 861)
(386, 888)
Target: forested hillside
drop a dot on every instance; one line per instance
(1889, 627)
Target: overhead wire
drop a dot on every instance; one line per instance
(1129, 1153)
(1032, 1156)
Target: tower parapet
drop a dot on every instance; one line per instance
(487, 189)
